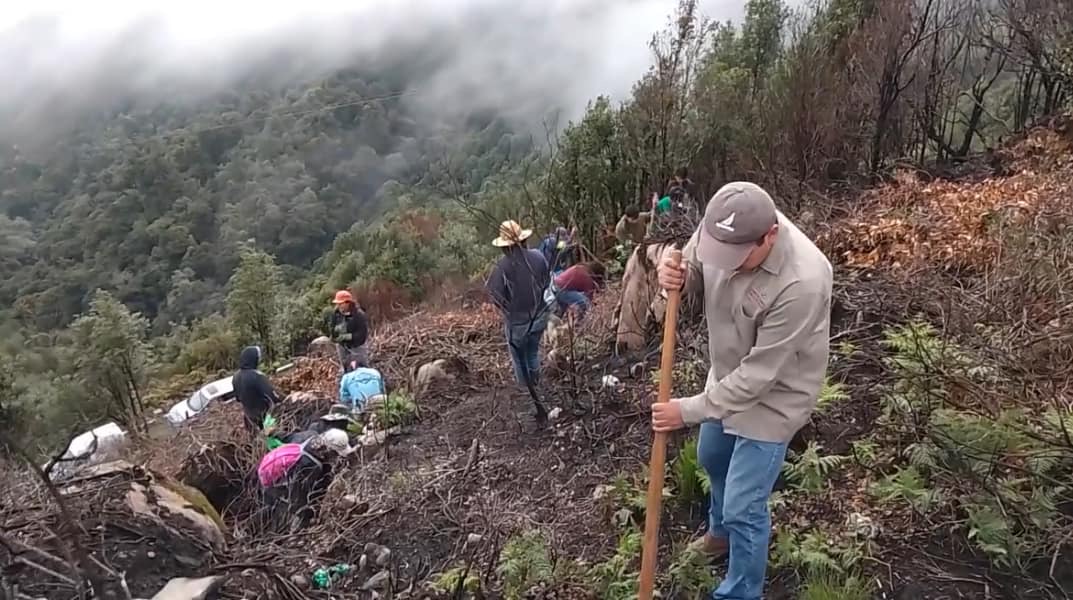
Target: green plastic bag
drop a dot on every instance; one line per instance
(323, 578)
(271, 441)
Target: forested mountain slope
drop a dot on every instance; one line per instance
(153, 203)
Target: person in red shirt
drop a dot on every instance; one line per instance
(577, 285)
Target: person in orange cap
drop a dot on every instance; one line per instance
(349, 329)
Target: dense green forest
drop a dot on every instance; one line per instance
(159, 222)
(153, 204)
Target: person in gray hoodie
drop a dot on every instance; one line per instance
(517, 288)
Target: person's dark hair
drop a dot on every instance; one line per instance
(632, 212)
(597, 270)
(357, 363)
(682, 173)
(322, 453)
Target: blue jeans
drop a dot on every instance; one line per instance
(742, 473)
(568, 298)
(523, 342)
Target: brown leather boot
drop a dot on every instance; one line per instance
(710, 546)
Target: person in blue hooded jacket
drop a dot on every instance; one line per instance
(361, 387)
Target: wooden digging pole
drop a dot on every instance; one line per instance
(658, 461)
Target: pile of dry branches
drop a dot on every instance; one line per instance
(473, 336)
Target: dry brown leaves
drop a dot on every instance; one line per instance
(1049, 147)
(943, 223)
(319, 375)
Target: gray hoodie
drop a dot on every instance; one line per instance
(517, 285)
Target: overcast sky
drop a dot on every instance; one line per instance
(521, 54)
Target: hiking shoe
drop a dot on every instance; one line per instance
(710, 546)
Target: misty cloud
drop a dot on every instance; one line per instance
(524, 58)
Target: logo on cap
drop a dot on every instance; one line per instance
(727, 223)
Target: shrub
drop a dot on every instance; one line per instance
(397, 409)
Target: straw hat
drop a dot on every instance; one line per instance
(511, 233)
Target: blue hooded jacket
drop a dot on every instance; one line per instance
(357, 386)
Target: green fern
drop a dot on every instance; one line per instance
(865, 452)
(991, 533)
(972, 444)
(918, 359)
(616, 577)
(983, 435)
(908, 485)
(690, 576)
(448, 581)
(825, 585)
(690, 479)
(831, 394)
(523, 563)
(924, 456)
(813, 552)
(1058, 425)
(846, 349)
(778, 500)
(809, 469)
(915, 345)
(629, 493)
(1046, 461)
(1042, 505)
(688, 373)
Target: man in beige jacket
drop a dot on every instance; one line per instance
(767, 300)
(633, 225)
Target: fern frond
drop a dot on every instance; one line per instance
(523, 563)
(834, 586)
(831, 393)
(908, 485)
(809, 469)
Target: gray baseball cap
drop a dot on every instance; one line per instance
(737, 217)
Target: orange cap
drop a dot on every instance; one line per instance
(342, 297)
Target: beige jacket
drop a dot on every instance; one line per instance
(768, 338)
(633, 229)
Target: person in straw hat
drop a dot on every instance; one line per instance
(517, 287)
